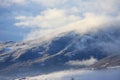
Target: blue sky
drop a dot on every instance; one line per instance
(31, 19)
(8, 31)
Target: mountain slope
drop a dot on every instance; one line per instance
(108, 62)
(59, 50)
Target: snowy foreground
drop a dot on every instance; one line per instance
(110, 74)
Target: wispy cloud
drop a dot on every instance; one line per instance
(64, 16)
(59, 21)
(50, 3)
(50, 18)
(7, 3)
(88, 62)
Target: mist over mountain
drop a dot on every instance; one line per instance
(59, 39)
(60, 50)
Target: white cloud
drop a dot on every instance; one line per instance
(21, 17)
(64, 16)
(83, 62)
(61, 75)
(51, 18)
(97, 6)
(59, 21)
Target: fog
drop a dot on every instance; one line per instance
(111, 74)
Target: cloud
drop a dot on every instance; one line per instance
(50, 3)
(6, 3)
(59, 21)
(64, 16)
(111, 47)
(48, 21)
(50, 18)
(96, 6)
(83, 62)
(62, 75)
(101, 6)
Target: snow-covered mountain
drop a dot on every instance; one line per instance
(109, 74)
(59, 52)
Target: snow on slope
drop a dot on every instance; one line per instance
(61, 75)
(61, 49)
(108, 62)
(110, 74)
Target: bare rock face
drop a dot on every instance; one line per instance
(108, 62)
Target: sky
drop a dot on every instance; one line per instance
(31, 19)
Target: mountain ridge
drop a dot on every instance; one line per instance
(59, 50)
